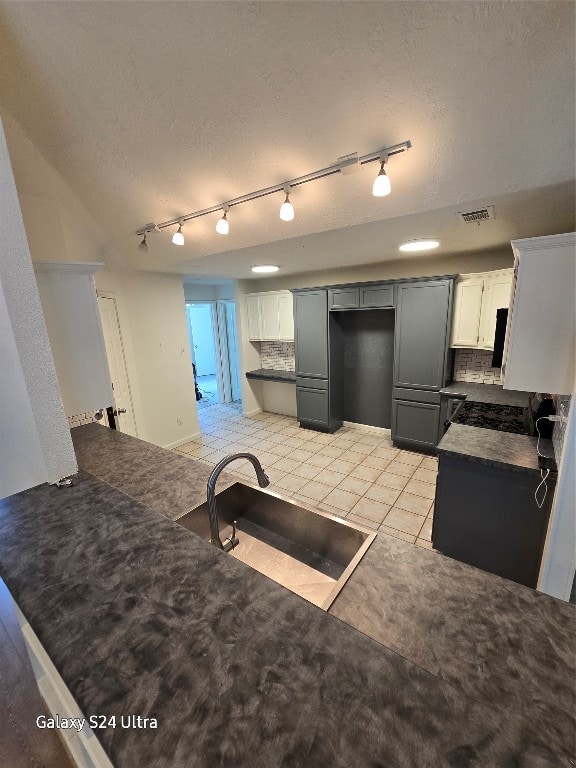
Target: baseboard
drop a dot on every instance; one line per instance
(367, 427)
(182, 441)
(252, 413)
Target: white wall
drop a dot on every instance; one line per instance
(35, 442)
(209, 292)
(162, 362)
(249, 355)
(58, 226)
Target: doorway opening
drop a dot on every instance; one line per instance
(214, 349)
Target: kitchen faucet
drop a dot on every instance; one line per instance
(263, 481)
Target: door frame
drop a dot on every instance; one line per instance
(220, 375)
(221, 305)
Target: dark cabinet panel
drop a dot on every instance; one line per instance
(421, 337)
(311, 333)
(487, 516)
(377, 296)
(313, 406)
(415, 423)
(343, 298)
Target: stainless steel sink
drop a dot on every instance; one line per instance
(309, 552)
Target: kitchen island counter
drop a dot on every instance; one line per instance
(141, 616)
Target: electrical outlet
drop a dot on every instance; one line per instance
(179, 421)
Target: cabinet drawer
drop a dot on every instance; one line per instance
(416, 395)
(303, 381)
(377, 296)
(343, 298)
(415, 423)
(312, 405)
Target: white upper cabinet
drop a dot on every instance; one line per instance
(254, 319)
(467, 308)
(286, 316)
(270, 316)
(540, 337)
(477, 297)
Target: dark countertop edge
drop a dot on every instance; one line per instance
(271, 374)
(486, 393)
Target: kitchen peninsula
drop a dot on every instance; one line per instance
(140, 616)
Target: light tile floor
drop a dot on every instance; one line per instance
(355, 473)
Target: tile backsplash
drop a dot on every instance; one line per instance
(86, 418)
(475, 365)
(278, 355)
(559, 433)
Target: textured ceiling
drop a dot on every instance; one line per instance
(151, 110)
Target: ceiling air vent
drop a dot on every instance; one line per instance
(477, 217)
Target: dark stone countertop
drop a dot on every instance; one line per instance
(163, 480)
(494, 448)
(272, 374)
(141, 616)
(487, 393)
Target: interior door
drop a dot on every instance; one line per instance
(125, 421)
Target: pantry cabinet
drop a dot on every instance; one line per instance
(476, 300)
(270, 316)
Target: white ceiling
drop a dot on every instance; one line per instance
(151, 110)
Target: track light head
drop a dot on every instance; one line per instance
(178, 237)
(222, 225)
(381, 186)
(287, 209)
(143, 246)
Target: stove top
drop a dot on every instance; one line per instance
(504, 418)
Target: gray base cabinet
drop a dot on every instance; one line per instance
(415, 424)
(313, 406)
(487, 516)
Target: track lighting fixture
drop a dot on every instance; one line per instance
(380, 188)
(222, 225)
(178, 237)
(287, 209)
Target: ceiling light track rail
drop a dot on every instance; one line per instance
(381, 155)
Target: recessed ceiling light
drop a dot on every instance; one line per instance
(419, 245)
(265, 268)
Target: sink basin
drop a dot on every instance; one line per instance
(309, 552)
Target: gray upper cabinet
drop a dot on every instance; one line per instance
(377, 296)
(343, 298)
(421, 333)
(311, 333)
